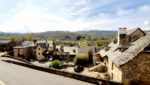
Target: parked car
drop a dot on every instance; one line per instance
(78, 68)
(51, 59)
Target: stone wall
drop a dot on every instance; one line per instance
(137, 68)
(114, 72)
(137, 34)
(39, 52)
(71, 75)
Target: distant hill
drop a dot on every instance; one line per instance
(98, 32)
(64, 35)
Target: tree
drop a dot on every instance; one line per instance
(81, 59)
(36, 38)
(13, 38)
(50, 39)
(29, 37)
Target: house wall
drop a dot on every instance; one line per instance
(19, 51)
(39, 52)
(137, 34)
(27, 52)
(96, 58)
(138, 68)
(114, 72)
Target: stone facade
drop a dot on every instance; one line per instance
(125, 37)
(39, 51)
(137, 68)
(129, 57)
(114, 72)
(136, 35)
(23, 51)
(96, 58)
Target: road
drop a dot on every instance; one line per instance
(13, 74)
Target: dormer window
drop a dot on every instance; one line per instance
(74, 51)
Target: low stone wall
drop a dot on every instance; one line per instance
(67, 74)
(17, 59)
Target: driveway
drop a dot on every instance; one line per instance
(13, 74)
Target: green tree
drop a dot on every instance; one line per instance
(36, 38)
(81, 59)
(29, 37)
(50, 39)
(13, 38)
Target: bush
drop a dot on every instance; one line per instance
(81, 59)
(56, 64)
(5, 54)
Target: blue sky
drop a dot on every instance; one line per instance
(73, 15)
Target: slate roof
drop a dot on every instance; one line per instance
(129, 32)
(5, 41)
(20, 46)
(86, 49)
(43, 45)
(31, 43)
(28, 43)
(50, 43)
(132, 51)
(71, 50)
(119, 58)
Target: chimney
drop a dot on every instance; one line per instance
(35, 42)
(122, 35)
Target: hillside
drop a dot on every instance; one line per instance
(65, 35)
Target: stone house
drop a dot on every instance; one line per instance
(73, 51)
(23, 51)
(43, 46)
(61, 55)
(40, 48)
(86, 49)
(7, 45)
(128, 57)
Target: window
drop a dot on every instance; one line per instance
(112, 75)
(18, 54)
(39, 48)
(39, 53)
(18, 49)
(112, 66)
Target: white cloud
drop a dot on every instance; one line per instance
(124, 12)
(74, 15)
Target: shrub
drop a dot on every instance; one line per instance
(56, 64)
(81, 59)
(5, 54)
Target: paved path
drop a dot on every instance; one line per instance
(13, 74)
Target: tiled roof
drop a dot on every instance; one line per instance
(87, 49)
(132, 51)
(4, 41)
(43, 45)
(28, 43)
(134, 48)
(20, 46)
(71, 50)
(129, 32)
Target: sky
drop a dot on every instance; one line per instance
(26, 16)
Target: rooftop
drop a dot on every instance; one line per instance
(4, 41)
